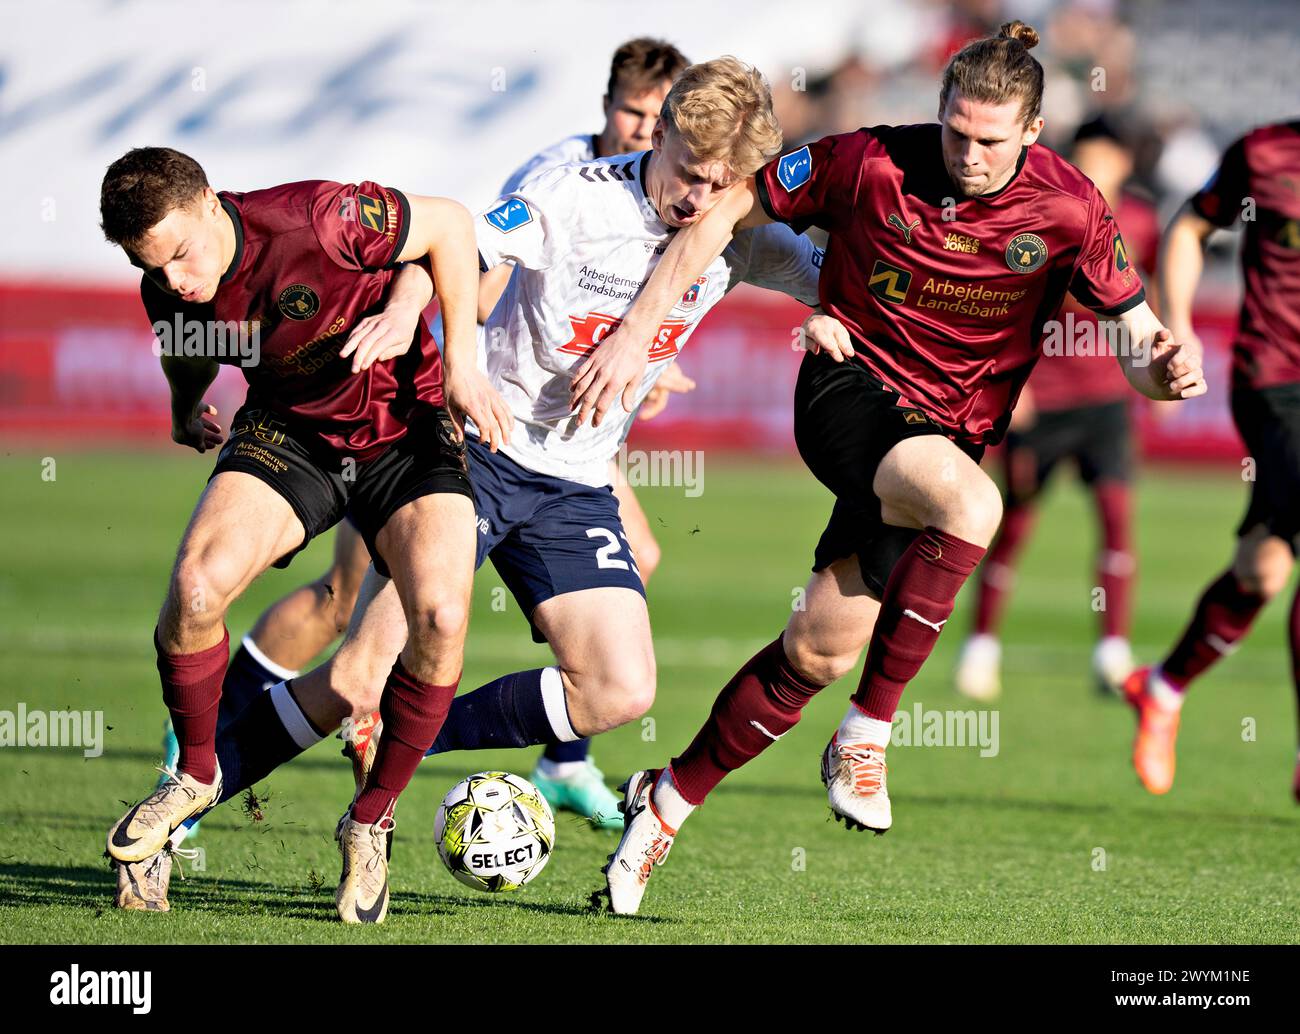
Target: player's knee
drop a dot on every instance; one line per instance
(820, 663)
(629, 690)
(440, 618)
(203, 586)
(976, 514)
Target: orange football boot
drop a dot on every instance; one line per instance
(1153, 747)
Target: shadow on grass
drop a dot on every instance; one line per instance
(91, 888)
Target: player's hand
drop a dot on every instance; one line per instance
(381, 337)
(470, 394)
(822, 333)
(614, 370)
(1175, 369)
(201, 431)
(671, 382)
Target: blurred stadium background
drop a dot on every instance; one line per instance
(444, 98)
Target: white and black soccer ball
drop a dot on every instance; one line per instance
(494, 831)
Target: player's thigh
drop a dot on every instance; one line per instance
(929, 481)
(832, 622)
(414, 509)
(601, 640)
(428, 548)
(240, 527)
(635, 525)
(374, 639)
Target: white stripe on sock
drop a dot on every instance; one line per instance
(557, 711)
(291, 717)
(278, 670)
(938, 627)
(770, 736)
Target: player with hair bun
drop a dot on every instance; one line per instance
(951, 246)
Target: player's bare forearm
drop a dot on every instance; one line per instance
(412, 288)
(188, 380)
(615, 369)
(442, 232)
(1181, 262)
(688, 255)
(1155, 363)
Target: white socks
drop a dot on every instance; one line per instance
(858, 727)
(1162, 692)
(672, 807)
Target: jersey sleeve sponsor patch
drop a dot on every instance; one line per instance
(361, 226)
(509, 215)
(794, 170)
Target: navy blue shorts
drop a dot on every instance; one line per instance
(546, 535)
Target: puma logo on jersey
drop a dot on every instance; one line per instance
(794, 170)
(896, 221)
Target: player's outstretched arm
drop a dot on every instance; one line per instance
(1181, 261)
(443, 230)
(391, 332)
(193, 420)
(614, 370)
(1155, 363)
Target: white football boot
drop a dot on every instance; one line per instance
(646, 842)
(854, 777)
(142, 831)
(362, 896)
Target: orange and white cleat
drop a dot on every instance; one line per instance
(360, 738)
(1157, 732)
(854, 777)
(646, 842)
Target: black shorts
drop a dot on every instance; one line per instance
(1097, 438)
(845, 421)
(1268, 420)
(321, 487)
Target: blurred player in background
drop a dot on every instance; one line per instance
(295, 267)
(302, 624)
(1075, 406)
(1258, 182)
(951, 246)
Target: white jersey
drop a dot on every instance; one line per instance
(580, 148)
(585, 238)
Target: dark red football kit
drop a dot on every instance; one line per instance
(948, 295)
(311, 260)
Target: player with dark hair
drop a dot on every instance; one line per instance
(1075, 407)
(297, 627)
(337, 418)
(951, 246)
(1258, 182)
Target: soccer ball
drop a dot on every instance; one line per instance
(494, 831)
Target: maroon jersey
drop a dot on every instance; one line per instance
(947, 295)
(1090, 374)
(311, 260)
(1264, 167)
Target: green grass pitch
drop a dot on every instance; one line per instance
(1050, 840)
